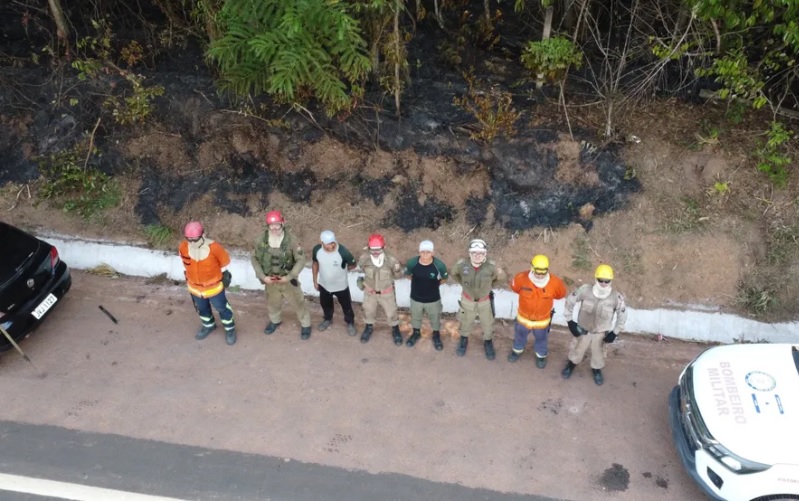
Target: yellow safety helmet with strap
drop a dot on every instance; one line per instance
(603, 272)
(540, 262)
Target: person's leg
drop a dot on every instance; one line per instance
(417, 314)
(203, 307)
(541, 346)
(467, 314)
(597, 351)
(434, 315)
(486, 319)
(295, 296)
(433, 311)
(369, 308)
(520, 333)
(345, 300)
(274, 303)
(389, 303)
(326, 302)
(577, 353)
(220, 303)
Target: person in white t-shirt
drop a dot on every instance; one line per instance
(331, 264)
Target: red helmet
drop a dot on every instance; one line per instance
(274, 217)
(193, 230)
(376, 241)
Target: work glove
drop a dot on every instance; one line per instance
(360, 283)
(226, 278)
(575, 329)
(610, 336)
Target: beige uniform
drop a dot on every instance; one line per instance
(475, 303)
(288, 260)
(596, 317)
(378, 287)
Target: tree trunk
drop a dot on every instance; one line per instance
(397, 62)
(62, 30)
(539, 82)
(487, 12)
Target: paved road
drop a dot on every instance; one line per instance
(182, 472)
(328, 418)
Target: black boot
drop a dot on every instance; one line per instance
(462, 344)
(414, 337)
(203, 332)
(437, 341)
(271, 327)
(489, 346)
(230, 337)
(305, 332)
(397, 335)
(540, 362)
(598, 379)
(513, 356)
(367, 333)
(567, 371)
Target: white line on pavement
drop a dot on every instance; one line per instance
(74, 492)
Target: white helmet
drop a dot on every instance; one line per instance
(478, 245)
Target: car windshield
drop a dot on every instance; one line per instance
(16, 249)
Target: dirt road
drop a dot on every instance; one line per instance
(334, 401)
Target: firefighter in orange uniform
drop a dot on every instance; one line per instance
(206, 263)
(537, 289)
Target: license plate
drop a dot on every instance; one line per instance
(45, 305)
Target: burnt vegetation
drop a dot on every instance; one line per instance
(491, 85)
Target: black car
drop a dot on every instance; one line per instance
(33, 280)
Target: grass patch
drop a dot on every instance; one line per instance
(630, 262)
(757, 299)
(75, 187)
(158, 235)
(686, 219)
(581, 259)
(783, 244)
(103, 270)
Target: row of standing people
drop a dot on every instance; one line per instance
(278, 260)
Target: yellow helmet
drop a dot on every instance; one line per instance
(603, 272)
(540, 262)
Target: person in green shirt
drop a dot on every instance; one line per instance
(477, 276)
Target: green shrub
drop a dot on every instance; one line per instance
(78, 189)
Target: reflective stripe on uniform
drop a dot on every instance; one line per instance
(533, 324)
(206, 293)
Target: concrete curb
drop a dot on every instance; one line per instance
(687, 324)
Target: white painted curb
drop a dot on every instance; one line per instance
(681, 324)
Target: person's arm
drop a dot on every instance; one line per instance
(442, 271)
(315, 266)
(222, 256)
(456, 271)
(409, 265)
(396, 266)
(500, 276)
(299, 262)
(571, 302)
(256, 264)
(515, 283)
(347, 259)
(621, 315)
(560, 289)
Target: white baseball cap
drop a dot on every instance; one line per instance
(426, 245)
(327, 237)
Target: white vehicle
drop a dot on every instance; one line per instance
(735, 420)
